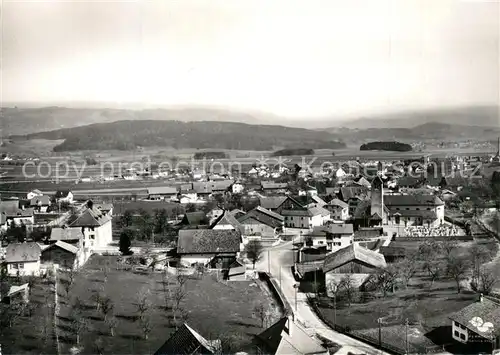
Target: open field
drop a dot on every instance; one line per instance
(426, 308)
(33, 333)
(209, 305)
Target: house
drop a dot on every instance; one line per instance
(63, 254)
(305, 218)
(33, 193)
(237, 213)
(11, 213)
(415, 210)
(16, 295)
(339, 210)
(317, 201)
(272, 203)
(263, 222)
(105, 208)
(331, 237)
(194, 220)
(308, 191)
(287, 337)
(477, 323)
(236, 272)
(354, 260)
(205, 245)
(23, 258)
(274, 187)
(348, 192)
(186, 340)
(95, 226)
(40, 203)
(237, 188)
(214, 214)
(190, 196)
(227, 221)
(64, 196)
(340, 173)
(162, 193)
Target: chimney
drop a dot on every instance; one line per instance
(481, 297)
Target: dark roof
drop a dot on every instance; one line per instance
(392, 251)
(62, 193)
(162, 190)
(350, 253)
(363, 233)
(333, 229)
(477, 316)
(272, 202)
(22, 252)
(198, 241)
(40, 200)
(227, 218)
(412, 200)
(338, 203)
(186, 341)
(273, 185)
(91, 217)
(308, 212)
(194, 218)
(65, 234)
(352, 191)
(62, 245)
(263, 216)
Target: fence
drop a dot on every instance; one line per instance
(273, 286)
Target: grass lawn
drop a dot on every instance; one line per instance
(33, 333)
(211, 307)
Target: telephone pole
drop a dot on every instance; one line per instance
(406, 331)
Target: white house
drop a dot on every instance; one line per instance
(205, 245)
(338, 209)
(427, 210)
(34, 193)
(238, 188)
(96, 227)
(305, 218)
(23, 259)
(332, 237)
(64, 196)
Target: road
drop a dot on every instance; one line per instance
(281, 257)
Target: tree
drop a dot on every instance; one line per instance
(448, 247)
(487, 280)
(253, 251)
(112, 323)
(385, 280)
(429, 254)
(407, 268)
(68, 281)
(478, 255)
(97, 298)
(457, 267)
(260, 312)
(125, 242)
(107, 307)
(143, 302)
(200, 269)
(145, 323)
(190, 207)
(127, 218)
(347, 285)
(79, 325)
(161, 221)
(178, 296)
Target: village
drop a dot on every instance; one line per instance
(396, 257)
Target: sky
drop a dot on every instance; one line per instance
(296, 58)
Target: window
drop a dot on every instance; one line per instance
(92, 236)
(457, 334)
(462, 336)
(397, 208)
(428, 208)
(320, 242)
(418, 209)
(407, 208)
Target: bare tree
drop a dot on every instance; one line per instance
(177, 297)
(166, 289)
(457, 267)
(429, 254)
(105, 270)
(97, 297)
(98, 346)
(180, 277)
(107, 307)
(112, 323)
(68, 280)
(143, 303)
(487, 280)
(79, 325)
(347, 285)
(478, 255)
(407, 268)
(260, 313)
(145, 322)
(200, 269)
(448, 247)
(384, 280)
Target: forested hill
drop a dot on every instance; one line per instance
(125, 135)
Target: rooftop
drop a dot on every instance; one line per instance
(200, 241)
(481, 317)
(350, 253)
(22, 252)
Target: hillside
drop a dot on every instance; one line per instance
(21, 121)
(125, 135)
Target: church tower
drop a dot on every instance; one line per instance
(377, 199)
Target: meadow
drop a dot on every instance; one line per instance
(214, 308)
